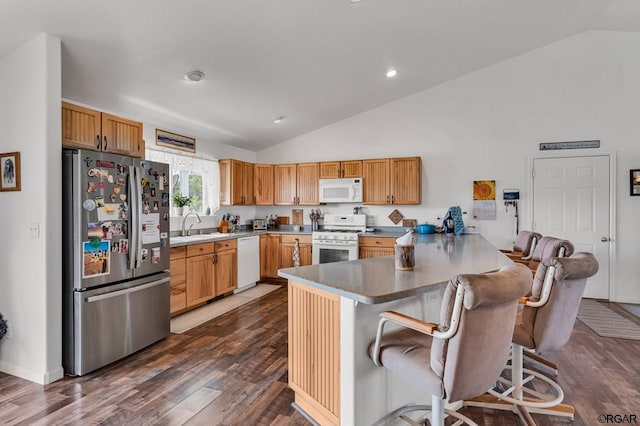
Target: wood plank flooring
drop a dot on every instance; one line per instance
(233, 371)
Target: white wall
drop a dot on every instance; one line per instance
(486, 124)
(30, 278)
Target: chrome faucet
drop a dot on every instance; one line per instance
(184, 221)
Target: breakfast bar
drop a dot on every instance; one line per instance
(333, 315)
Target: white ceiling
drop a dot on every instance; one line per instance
(313, 61)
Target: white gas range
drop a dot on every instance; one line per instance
(338, 240)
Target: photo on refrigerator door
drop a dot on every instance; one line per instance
(96, 258)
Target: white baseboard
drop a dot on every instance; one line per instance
(42, 378)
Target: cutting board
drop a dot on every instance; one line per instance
(298, 215)
(283, 220)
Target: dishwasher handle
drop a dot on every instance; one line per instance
(130, 290)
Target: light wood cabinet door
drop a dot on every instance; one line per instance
(237, 173)
(200, 279)
(120, 135)
(375, 246)
(284, 182)
(269, 255)
(351, 169)
(225, 182)
(308, 189)
(81, 127)
(263, 184)
(375, 183)
(287, 248)
(405, 181)
(226, 271)
(330, 170)
(247, 184)
(340, 169)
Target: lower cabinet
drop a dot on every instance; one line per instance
(376, 246)
(226, 266)
(211, 270)
(178, 284)
(200, 273)
(269, 255)
(287, 247)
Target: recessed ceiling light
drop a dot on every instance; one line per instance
(278, 119)
(194, 75)
(354, 1)
(391, 73)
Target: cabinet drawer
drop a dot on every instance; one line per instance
(177, 253)
(290, 239)
(178, 271)
(226, 245)
(199, 249)
(377, 241)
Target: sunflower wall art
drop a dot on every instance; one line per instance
(484, 199)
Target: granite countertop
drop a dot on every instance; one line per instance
(375, 280)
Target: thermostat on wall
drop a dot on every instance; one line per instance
(511, 194)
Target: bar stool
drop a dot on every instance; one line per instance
(547, 248)
(523, 246)
(463, 355)
(548, 318)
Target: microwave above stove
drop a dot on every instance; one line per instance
(345, 190)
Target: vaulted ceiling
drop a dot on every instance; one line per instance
(313, 62)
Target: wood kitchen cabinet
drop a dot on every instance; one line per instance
(296, 184)
(178, 274)
(200, 273)
(392, 181)
(98, 131)
(287, 246)
(269, 255)
(225, 265)
(236, 183)
(376, 246)
(211, 270)
(263, 184)
(341, 169)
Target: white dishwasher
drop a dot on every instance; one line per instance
(248, 262)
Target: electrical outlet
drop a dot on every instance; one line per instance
(34, 229)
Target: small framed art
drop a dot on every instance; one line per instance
(634, 182)
(10, 171)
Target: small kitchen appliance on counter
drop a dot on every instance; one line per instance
(259, 225)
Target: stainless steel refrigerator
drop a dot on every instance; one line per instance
(115, 257)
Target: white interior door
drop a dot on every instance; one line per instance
(571, 201)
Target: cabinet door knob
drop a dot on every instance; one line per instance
(393, 199)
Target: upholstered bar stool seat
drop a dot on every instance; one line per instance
(547, 321)
(464, 354)
(523, 246)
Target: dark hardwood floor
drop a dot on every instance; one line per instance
(233, 371)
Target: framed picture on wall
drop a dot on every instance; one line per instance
(10, 171)
(175, 141)
(634, 182)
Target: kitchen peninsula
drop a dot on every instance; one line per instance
(333, 315)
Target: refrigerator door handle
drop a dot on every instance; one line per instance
(135, 216)
(138, 214)
(118, 293)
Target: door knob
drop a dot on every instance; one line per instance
(605, 239)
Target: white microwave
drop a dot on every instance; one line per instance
(345, 190)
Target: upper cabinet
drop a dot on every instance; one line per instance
(341, 169)
(98, 131)
(236, 183)
(263, 184)
(392, 181)
(296, 184)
